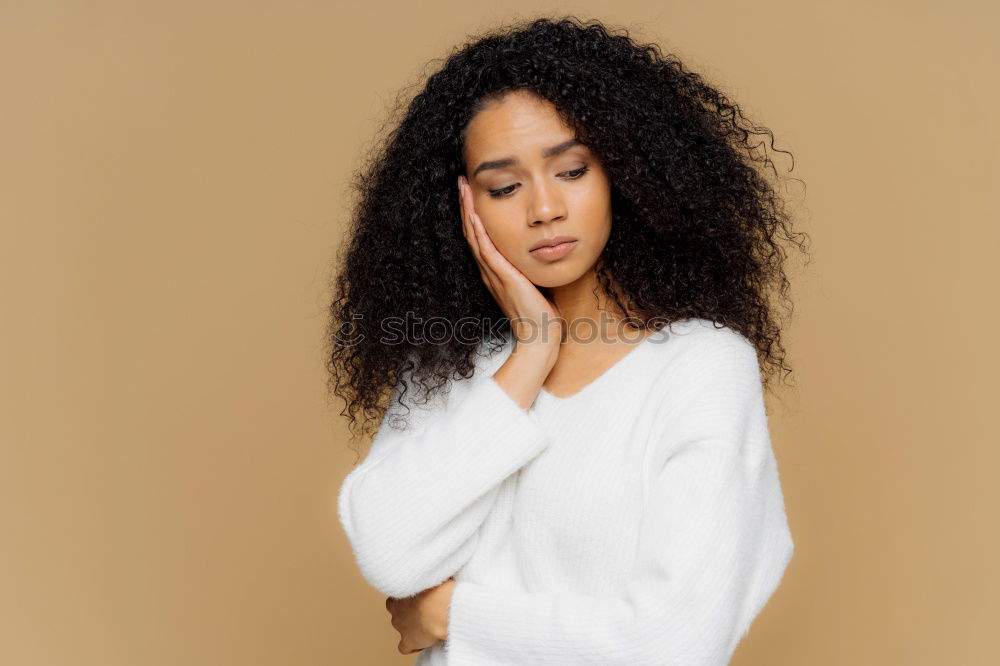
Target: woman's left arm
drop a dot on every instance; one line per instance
(714, 546)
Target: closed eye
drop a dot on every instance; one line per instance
(505, 192)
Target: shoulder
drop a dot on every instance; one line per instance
(412, 395)
(712, 391)
(699, 349)
(703, 368)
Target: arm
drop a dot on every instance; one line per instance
(413, 508)
(715, 543)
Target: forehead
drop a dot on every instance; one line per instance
(517, 123)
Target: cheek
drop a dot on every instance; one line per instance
(593, 208)
(596, 200)
(511, 244)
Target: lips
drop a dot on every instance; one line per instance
(548, 242)
(554, 252)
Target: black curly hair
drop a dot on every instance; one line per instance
(697, 227)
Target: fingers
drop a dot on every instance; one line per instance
(500, 270)
(472, 236)
(487, 250)
(465, 199)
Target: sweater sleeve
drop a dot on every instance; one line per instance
(413, 508)
(713, 548)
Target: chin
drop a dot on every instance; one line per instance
(554, 276)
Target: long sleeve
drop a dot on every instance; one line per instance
(714, 546)
(413, 508)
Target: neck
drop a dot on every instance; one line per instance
(587, 309)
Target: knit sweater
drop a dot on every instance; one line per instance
(639, 521)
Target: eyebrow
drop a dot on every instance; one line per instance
(511, 161)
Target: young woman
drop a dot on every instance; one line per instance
(574, 230)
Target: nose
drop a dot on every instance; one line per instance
(547, 204)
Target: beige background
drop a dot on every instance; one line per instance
(172, 189)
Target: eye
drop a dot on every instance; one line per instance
(501, 193)
(570, 175)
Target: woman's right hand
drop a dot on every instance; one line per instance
(534, 318)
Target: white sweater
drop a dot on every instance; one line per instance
(639, 521)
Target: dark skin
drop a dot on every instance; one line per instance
(421, 620)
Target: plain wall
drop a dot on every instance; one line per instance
(173, 187)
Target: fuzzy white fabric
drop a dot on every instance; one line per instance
(639, 521)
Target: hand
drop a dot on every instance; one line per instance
(520, 300)
(421, 620)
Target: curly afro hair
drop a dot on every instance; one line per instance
(697, 227)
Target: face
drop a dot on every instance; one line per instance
(531, 182)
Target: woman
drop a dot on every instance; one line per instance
(588, 477)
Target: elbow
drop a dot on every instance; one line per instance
(378, 561)
(783, 558)
(694, 648)
(407, 566)
(369, 537)
(693, 630)
(397, 556)
(402, 576)
(369, 521)
(783, 553)
(770, 572)
(391, 581)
